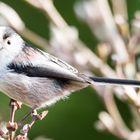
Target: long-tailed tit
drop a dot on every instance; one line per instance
(37, 78)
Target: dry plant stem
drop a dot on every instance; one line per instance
(24, 131)
(130, 92)
(122, 129)
(120, 8)
(34, 3)
(20, 123)
(108, 19)
(135, 115)
(12, 126)
(34, 38)
(53, 14)
(11, 16)
(14, 20)
(50, 11)
(103, 26)
(133, 108)
(94, 60)
(3, 135)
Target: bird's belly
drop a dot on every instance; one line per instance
(36, 91)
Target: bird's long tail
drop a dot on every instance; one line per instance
(113, 81)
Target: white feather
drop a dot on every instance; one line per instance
(8, 52)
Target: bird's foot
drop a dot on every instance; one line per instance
(25, 129)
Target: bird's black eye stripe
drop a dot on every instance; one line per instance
(8, 42)
(7, 33)
(5, 36)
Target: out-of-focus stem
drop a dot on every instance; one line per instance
(34, 38)
(94, 60)
(122, 129)
(52, 13)
(98, 15)
(13, 19)
(120, 8)
(135, 115)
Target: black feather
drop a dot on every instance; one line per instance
(7, 33)
(115, 81)
(34, 71)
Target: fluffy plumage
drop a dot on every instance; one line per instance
(32, 76)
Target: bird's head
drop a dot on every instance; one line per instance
(11, 45)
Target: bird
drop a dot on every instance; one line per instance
(36, 78)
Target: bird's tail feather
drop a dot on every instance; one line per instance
(113, 81)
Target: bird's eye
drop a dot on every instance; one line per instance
(8, 42)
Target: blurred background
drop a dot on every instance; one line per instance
(80, 116)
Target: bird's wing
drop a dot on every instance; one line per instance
(36, 63)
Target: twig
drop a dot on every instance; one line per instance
(13, 19)
(24, 131)
(122, 129)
